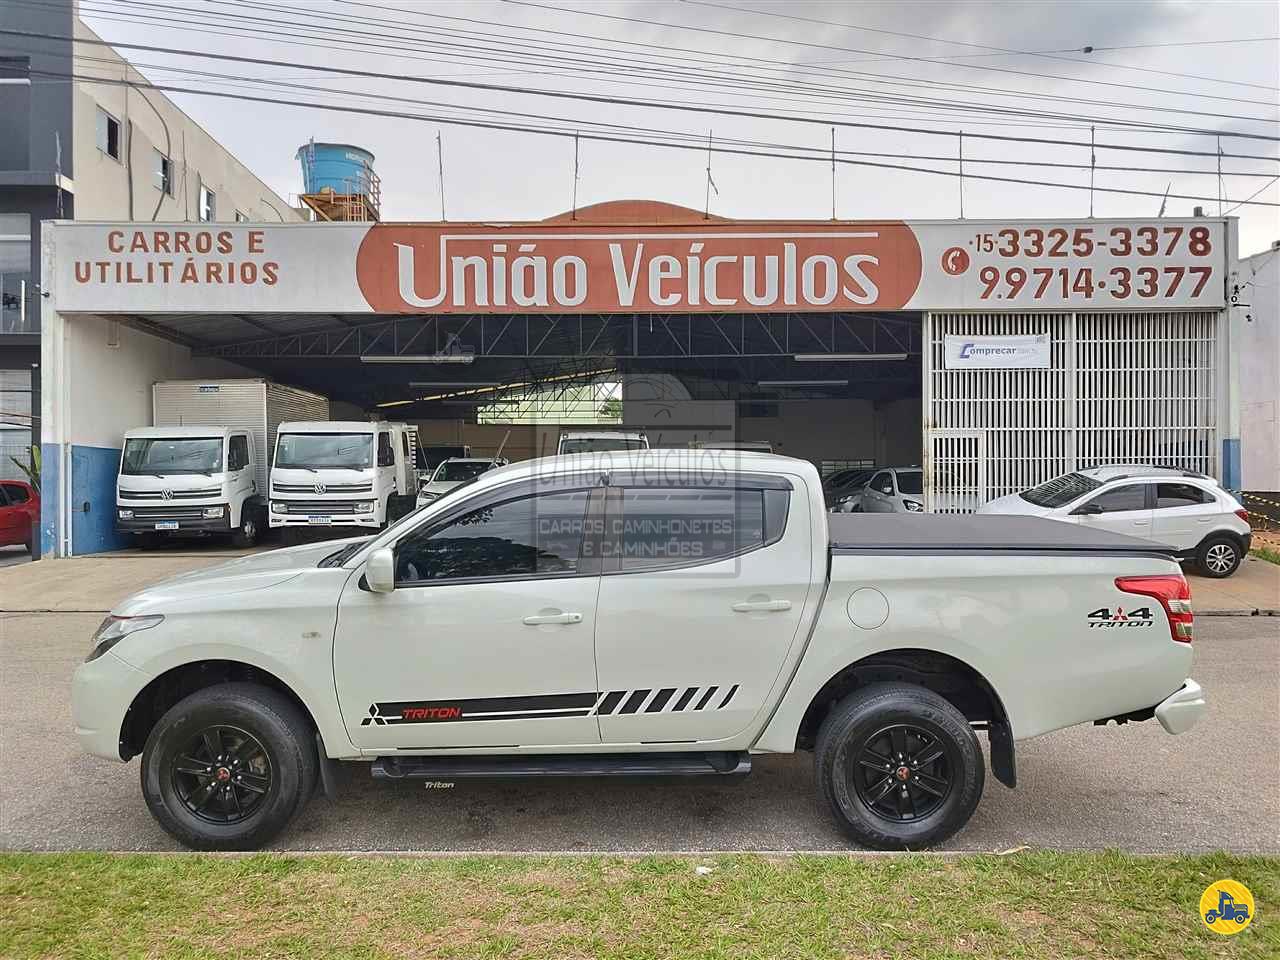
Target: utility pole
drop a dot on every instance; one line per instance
(1093, 162)
(574, 209)
(833, 173)
(711, 184)
(961, 174)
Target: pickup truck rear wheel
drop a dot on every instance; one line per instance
(900, 766)
(229, 766)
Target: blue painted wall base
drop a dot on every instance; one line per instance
(1231, 478)
(50, 467)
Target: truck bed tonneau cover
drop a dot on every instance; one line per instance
(975, 533)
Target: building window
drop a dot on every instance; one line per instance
(164, 173)
(19, 306)
(208, 204)
(241, 218)
(108, 134)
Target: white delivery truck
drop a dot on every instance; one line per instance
(344, 473)
(559, 618)
(202, 469)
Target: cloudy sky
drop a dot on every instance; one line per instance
(1006, 69)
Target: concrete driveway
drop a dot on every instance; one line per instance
(1132, 787)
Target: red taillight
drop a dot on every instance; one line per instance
(1243, 514)
(1174, 594)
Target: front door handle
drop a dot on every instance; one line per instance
(762, 606)
(538, 619)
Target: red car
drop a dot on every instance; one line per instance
(19, 513)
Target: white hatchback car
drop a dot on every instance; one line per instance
(1187, 511)
(453, 473)
(894, 490)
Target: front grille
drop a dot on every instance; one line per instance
(347, 489)
(169, 513)
(321, 507)
(157, 495)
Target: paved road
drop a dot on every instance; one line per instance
(1129, 787)
(9, 556)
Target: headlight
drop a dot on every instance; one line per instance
(365, 507)
(278, 507)
(214, 513)
(125, 514)
(114, 629)
(913, 506)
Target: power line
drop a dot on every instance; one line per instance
(899, 56)
(272, 83)
(626, 101)
(646, 66)
(1251, 196)
(1000, 51)
(568, 133)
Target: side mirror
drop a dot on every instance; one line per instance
(380, 570)
(1088, 510)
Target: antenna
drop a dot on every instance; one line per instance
(574, 209)
(1093, 162)
(440, 165)
(1164, 199)
(711, 184)
(1219, 176)
(833, 173)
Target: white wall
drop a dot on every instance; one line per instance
(1259, 278)
(109, 390)
(149, 122)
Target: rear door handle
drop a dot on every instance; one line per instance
(762, 606)
(538, 619)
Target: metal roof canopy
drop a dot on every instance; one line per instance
(357, 358)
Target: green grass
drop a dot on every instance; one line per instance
(1268, 554)
(1040, 906)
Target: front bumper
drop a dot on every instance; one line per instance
(303, 520)
(220, 525)
(101, 692)
(1182, 710)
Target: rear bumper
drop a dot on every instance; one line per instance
(1182, 710)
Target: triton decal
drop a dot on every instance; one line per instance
(1107, 618)
(618, 702)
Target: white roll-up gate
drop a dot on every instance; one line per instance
(1119, 388)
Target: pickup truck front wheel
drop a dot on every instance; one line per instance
(229, 766)
(900, 766)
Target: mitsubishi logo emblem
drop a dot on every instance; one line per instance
(166, 494)
(319, 488)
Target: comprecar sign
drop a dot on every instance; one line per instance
(716, 267)
(1025, 352)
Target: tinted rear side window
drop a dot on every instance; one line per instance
(13, 493)
(1181, 495)
(659, 528)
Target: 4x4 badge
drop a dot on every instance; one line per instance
(1106, 617)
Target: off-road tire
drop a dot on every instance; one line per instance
(280, 728)
(853, 725)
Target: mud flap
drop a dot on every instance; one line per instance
(329, 770)
(1002, 761)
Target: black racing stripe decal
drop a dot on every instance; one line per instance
(728, 696)
(436, 711)
(530, 716)
(711, 692)
(611, 701)
(660, 701)
(685, 698)
(634, 701)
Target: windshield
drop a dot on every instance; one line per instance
(911, 482)
(456, 472)
(312, 451)
(595, 444)
(164, 455)
(1060, 491)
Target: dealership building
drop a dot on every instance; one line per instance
(993, 354)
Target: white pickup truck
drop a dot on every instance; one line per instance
(647, 613)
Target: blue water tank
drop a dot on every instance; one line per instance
(339, 166)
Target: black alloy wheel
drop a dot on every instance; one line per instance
(223, 775)
(903, 773)
(899, 766)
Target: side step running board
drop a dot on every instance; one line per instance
(720, 764)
